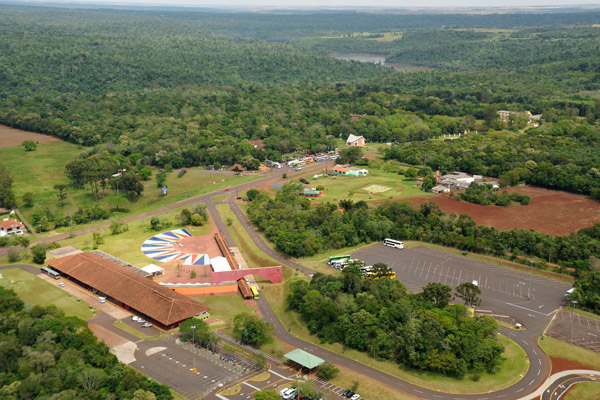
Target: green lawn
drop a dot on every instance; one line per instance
(36, 291)
(255, 258)
(560, 349)
(127, 245)
(344, 187)
(584, 391)
(38, 171)
(225, 307)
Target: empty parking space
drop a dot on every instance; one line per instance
(581, 330)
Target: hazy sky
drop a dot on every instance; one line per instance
(344, 3)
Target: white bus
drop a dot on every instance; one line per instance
(393, 243)
(51, 272)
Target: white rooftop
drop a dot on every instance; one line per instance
(152, 269)
(220, 264)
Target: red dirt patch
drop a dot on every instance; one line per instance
(10, 137)
(550, 211)
(560, 364)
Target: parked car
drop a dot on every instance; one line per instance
(141, 321)
(62, 284)
(355, 397)
(305, 181)
(283, 391)
(102, 299)
(288, 395)
(345, 392)
(349, 394)
(135, 318)
(149, 325)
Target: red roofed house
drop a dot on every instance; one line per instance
(11, 227)
(156, 303)
(337, 170)
(257, 144)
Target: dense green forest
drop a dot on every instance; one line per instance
(563, 155)
(43, 352)
(162, 88)
(478, 50)
(379, 317)
(299, 230)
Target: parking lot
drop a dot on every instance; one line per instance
(278, 377)
(173, 365)
(529, 298)
(584, 331)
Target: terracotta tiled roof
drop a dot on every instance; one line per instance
(142, 294)
(10, 223)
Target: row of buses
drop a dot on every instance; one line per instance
(340, 262)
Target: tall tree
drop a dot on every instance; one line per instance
(7, 197)
(469, 292)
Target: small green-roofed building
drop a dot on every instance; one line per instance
(311, 193)
(305, 359)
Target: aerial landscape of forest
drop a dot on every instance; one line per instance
(416, 191)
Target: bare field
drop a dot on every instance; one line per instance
(550, 211)
(10, 137)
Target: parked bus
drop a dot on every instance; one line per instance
(336, 259)
(393, 243)
(51, 272)
(255, 293)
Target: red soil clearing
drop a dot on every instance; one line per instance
(550, 211)
(10, 137)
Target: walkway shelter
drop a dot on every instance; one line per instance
(306, 360)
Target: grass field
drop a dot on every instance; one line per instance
(127, 245)
(344, 187)
(38, 171)
(36, 291)
(226, 307)
(558, 348)
(584, 391)
(255, 258)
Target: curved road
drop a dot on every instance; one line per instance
(539, 363)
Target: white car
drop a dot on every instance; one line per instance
(147, 325)
(289, 393)
(141, 321)
(283, 391)
(102, 299)
(62, 284)
(135, 318)
(355, 397)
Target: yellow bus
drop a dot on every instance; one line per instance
(255, 292)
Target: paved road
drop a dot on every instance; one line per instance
(561, 385)
(271, 176)
(527, 339)
(540, 365)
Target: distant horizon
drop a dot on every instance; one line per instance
(316, 5)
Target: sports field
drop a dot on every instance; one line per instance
(378, 186)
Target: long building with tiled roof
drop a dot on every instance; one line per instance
(156, 303)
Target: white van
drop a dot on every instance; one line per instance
(570, 292)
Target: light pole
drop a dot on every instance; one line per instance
(531, 261)
(573, 319)
(193, 347)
